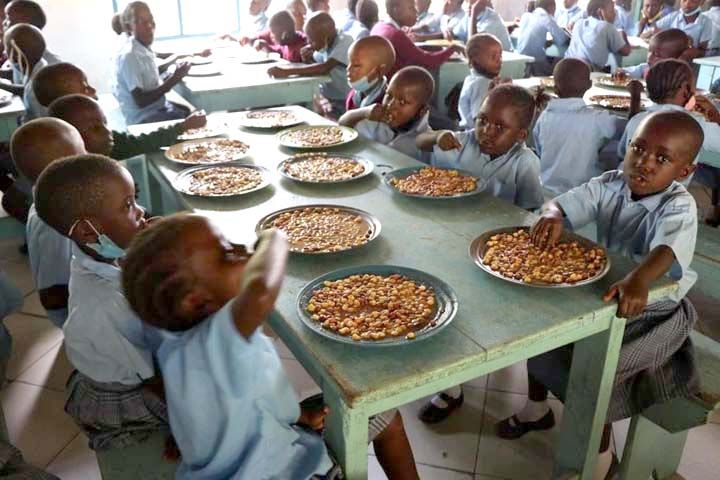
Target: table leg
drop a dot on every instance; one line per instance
(346, 433)
(591, 380)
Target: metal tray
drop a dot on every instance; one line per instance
(213, 129)
(477, 252)
(349, 134)
(177, 148)
(182, 180)
(595, 101)
(242, 120)
(405, 172)
(372, 222)
(368, 167)
(446, 304)
(605, 81)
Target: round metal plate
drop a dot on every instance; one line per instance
(406, 172)
(242, 120)
(348, 135)
(183, 179)
(172, 152)
(211, 130)
(367, 165)
(600, 101)
(446, 304)
(372, 222)
(478, 248)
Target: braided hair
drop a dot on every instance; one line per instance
(666, 77)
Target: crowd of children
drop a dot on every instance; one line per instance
(139, 299)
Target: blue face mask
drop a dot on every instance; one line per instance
(362, 85)
(104, 247)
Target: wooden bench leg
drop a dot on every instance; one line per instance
(650, 451)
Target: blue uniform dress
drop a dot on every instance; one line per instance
(474, 90)
(714, 46)
(336, 90)
(570, 16)
(513, 177)
(489, 21)
(700, 31)
(428, 22)
(532, 37)
(593, 40)
(402, 140)
(637, 72)
(232, 409)
(624, 20)
(568, 164)
(455, 23)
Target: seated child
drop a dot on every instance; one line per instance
(402, 115)
(281, 38)
(483, 19)
(570, 14)
(624, 16)
(137, 87)
(297, 10)
(671, 43)
(532, 37)
(427, 22)
(24, 45)
(345, 18)
(34, 146)
(484, 53)
(367, 15)
(26, 11)
(713, 13)
(211, 300)
(453, 23)
(643, 213)
(569, 134)
(111, 395)
(691, 20)
(370, 59)
(595, 37)
(317, 6)
(652, 12)
(328, 55)
(256, 20)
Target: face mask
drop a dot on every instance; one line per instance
(22, 62)
(362, 85)
(693, 13)
(104, 247)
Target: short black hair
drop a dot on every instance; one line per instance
(128, 15)
(49, 83)
(666, 77)
(594, 6)
(67, 106)
(36, 15)
(419, 77)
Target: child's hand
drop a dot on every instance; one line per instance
(196, 119)
(459, 49)
(635, 87)
(322, 105)
(306, 53)
(547, 230)
(244, 41)
(204, 53)
(278, 72)
(705, 107)
(448, 35)
(313, 419)
(448, 141)
(260, 44)
(181, 69)
(377, 113)
(632, 296)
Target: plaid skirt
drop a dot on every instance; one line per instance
(114, 415)
(13, 466)
(656, 361)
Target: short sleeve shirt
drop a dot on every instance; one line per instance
(491, 22)
(474, 90)
(593, 40)
(402, 141)
(337, 88)
(136, 69)
(700, 31)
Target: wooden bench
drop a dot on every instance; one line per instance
(142, 461)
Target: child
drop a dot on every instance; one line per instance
(595, 37)
(27, 11)
(24, 45)
(427, 22)
(346, 18)
(690, 19)
(256, 20)
(137, 86)
(671, 43)
(370, 59)
(402, 115)
(652, 12)
(624, 16)
(484, 53)
(453, 23)
(367, 16)
(643, 213)
(317, 6)
(329, 56)
(532, 37)
(34, 146)
(570, 14)
(483, 19)
(212, 300)
(298, 10)
(111, 394)
(569, 134)
(281, 38)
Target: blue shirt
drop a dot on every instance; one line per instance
(714, 15)
(533, 31)
(568, 137)
(474, 90)
(457, 24)
(701, 30)
(593, 40)
(344, 20)
(337, 88)
(402, 141)
(634, 228)
(136, 68)
(357, 30)
(513, 177)
(254, 24)
(232, 408)
(624, 20)
(570, 16)
(428, 22)
(489, 21)
(372, 96)
(637, 72)
(33, 109)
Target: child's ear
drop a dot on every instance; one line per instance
(523, 135)
(83, 233)
(196, 303)
(686, 171)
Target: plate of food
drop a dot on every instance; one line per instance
(196, 60)
(619, 103)
(212, 129)
(433, 182)
(509, 254)
(227, 180)
(377, 305)
(324, 167)
(441, 42)
(613, 81)
(270, 119)
(316, 136)
(547, 83)
(207, 151)
(318, 229)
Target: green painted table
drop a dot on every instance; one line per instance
(498, 324)
(709, 71)
(9, 115)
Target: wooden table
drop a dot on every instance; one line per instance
(709, 71)
(9, 115)
(498, 324)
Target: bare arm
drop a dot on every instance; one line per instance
(143, 98)
(445, 139)
(309, 71)
(353, 117)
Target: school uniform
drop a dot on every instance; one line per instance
(402, 140)
(656, 361)
(638, 72)
(104, 341)
(513, 177)
(428, 22)
(344, 19)
(472, 94)
(289, 52)
(700, 31)
(374, 95)
(714, 15)
(568, 136)
(50, 57)
(532, 38)
(567, 17)
(652, 23)
(33, 108)
(337, 88)
(358, 30)
(457, 24)
(593, 40)
(624, 20)
(254, 24)
(489, 21)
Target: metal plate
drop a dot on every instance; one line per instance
(368, 167)
(205, 70)
(596, 101)
(242, 119)
(211, 130)
(446, 304)
(406, 172)
(171, 152)
(478, 248)
(348, 135)
(182, 180)
(605, 81)
(370, 220)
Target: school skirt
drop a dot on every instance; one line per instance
(13, 466)
(656, 361)
(113, 415)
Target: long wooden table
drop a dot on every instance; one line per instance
(498, 323)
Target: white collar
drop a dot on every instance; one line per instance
(104, 270)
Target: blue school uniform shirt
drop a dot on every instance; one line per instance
(254, 24)
(474, 90)
(33, 108)
(700, 31)
(135, 67)
(357, 30)
(491, 22)
(634, 228)
(457, 24)
(428, 22)
(344, 20)
(714, 15)
(232, 408)
(337, 88)
(568, 136)
(637, 72)
(50, 57)
(624, 20)
(401, 140)
(513, 177)
(593, 40)
(104, 338)
(50, 254)
(533, 31)
(570, 16)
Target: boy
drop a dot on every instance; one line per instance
(624, 16)
(212, 321)
(671, 43)
(643, 213)
(453, 23)
(26, 11)
(298, 10)
(483, 19)
(24, 45)
(690, 19)
(570, 14)
(367, 16)
(281, 38)
(256, 20)
(317, 6)
(569, 134)
(595, 37)
(532, 37)
(328, 56)
(427, 22)
(484, 53)
(138, 87)
(652, 11)
(402, 115)
(370, 59)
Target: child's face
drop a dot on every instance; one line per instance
(689, 6)
(422, 5)
(78, 83)
(661, 50)
(403, 104)
(488, 60)
(651, 8)
(298, 12)
(404, 13)
(497, 127)
(451, 6)
(14, 15)
(362, 65)
(322, 6)
(282, 34)
(143, 26)
(319, 39)
(257, 7)
(608, 10)
(120, 218)
(92, 125)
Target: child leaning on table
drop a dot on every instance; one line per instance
(234, 413)
(281, 38)
(369, 61)
(595, 37)
(641, 212)
(670, 43)
(401, 116)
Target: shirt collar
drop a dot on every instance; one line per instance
(657, 107)
(136, 43)
(566, 104)
(650, 203)
(420, 125)
(104, 270)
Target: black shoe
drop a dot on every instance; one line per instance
(512, 428)
(431, 413)
(23, 249)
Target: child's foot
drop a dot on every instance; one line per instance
(534, 416)
(440, 407)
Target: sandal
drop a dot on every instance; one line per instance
(431, 413)
(512, 428)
